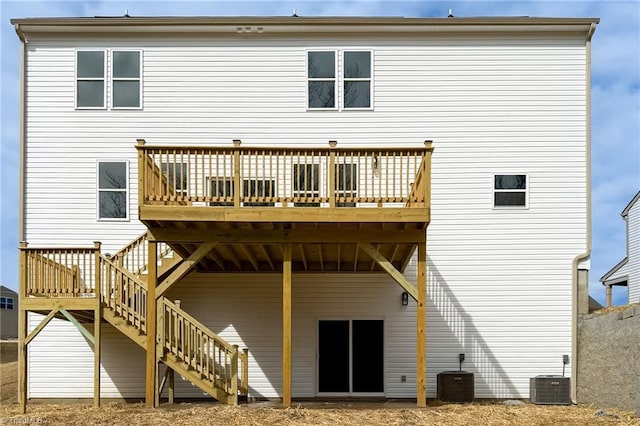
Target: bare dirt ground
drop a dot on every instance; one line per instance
(8, 373)
(305, 413)
(209, 414)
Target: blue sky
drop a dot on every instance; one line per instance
(615, 93)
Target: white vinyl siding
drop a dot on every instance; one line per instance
(499, 279)
(633, 267)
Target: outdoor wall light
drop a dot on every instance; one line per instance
(405, 298)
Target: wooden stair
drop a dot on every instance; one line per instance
(67, 277)
(184, 344)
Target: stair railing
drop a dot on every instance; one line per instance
(124, 293)
(135, 255)
(197, 346)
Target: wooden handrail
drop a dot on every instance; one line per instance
(265, 176)
(194, 344)
(124, 293)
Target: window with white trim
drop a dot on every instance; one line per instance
(346, 184)
(112, 190)
(90, 79)
(356, 76)
(510, 190)
(306, 184)
(321, 79)
(221, 188)
(126, 87)
(176, 174)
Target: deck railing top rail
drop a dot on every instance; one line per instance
(284, 177)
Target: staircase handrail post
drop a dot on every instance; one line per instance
(97, 284)
(234, 375)
(24, 277)
(245, 372)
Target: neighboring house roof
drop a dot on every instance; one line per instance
(626, 210)
(619, 273)
(4, 289)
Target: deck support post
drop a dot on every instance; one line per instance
(172, 388)
(97, 320)
(421, 325)
(22, 332)
(151, 361)
(609, 292)
(286, 326)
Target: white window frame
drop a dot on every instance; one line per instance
(165, 166)
(335, 79)
(525, 190)
(126, 191)
(345, 79)
(103, 79)
(112, 79)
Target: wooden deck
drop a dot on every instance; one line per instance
(250, 201)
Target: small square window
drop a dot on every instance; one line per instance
(510, 190)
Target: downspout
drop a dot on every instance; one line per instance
(23, 116)
(584, 256)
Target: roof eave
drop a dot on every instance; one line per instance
(280, 25)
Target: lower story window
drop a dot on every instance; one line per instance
(510, 190)
(112, 190)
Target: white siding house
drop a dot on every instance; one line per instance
(506, 102)
(627, 271)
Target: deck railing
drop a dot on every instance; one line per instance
(59, 272)
(135, 255)
(264, 177)
(194, 344)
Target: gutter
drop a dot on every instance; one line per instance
(584, 256)
(23, 117)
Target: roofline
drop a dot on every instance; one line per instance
(613, 270)
(626, 210)
(278, 24)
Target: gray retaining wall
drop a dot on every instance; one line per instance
(609, 360)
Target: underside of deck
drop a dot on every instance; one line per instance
(256, 246)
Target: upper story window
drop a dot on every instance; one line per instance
(321, 76)
(125, 77)
(112, 190)
(355, 74)
(6, 303)
(90, 79)
(510, 190)
(357, 80)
